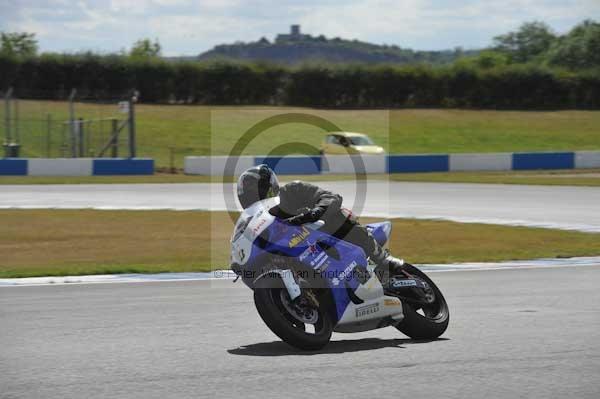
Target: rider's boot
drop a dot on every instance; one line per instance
(384, 260)
(387, 265)
(391, 272)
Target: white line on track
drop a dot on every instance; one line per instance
(228, 275)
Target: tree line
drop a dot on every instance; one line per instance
(460, 85)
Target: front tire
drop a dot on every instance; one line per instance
(269, 304)
(425, 322)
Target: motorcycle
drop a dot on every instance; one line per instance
(308, 284)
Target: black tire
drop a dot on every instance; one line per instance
(436, 316)
(283, 324)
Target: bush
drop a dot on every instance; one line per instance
(473, 83)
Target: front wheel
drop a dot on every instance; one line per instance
(425, 321)
(303, 327)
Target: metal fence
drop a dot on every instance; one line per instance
(74, 128)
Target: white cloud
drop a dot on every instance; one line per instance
(432, 24)
(192, 26)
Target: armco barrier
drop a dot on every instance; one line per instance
(13, 167)
(76, 166)
(543, 160)
(129, 166)
(417, 163)
(293, 165)
(343, 164)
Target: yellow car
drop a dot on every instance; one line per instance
(348, 142)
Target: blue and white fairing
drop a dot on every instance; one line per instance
(360, 305)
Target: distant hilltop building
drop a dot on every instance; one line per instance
(293, 36)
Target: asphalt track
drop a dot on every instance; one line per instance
(531, 333)
(576, 208)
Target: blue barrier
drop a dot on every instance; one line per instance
(417, 163)
(13, 167)
(135, 166)
(292, 165)
(543, 160)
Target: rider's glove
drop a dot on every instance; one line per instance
(308, 216)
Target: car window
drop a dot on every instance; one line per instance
(361, 140)
(334, 139)
(331, 139)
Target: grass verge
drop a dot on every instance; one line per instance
(75, 242)
(571, 177)
(202, 130)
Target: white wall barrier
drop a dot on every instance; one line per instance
(496, 161)
(60, 167)
(587, 159)
(215, 165)
(347, 164)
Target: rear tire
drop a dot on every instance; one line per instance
(435, 318)
(284, 325)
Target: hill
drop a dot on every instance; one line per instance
(295, 47)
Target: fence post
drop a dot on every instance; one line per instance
(72, 123)
(80, 138)
(7, 98)
(48, 134)
(115, 138)
(89, 152)
(172, 159)
(16, 122)
(132, 145)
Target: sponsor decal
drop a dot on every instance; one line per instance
(242, 254)
(336, 280)
(260, 224)
(366, 310)
(391, 302)
(319, 260)
(348, 270)
(404, 283)
(311, 250)
(323, 267)
(297, 238)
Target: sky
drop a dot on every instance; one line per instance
(189, 27)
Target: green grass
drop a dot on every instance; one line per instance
(200, 130)
(75, 242)
(580, 177)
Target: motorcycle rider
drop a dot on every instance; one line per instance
(302, 202)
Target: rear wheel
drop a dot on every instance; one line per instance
(425, 321)
(297, 323)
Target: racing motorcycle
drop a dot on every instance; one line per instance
(308, 284)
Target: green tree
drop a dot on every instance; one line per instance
(20, 44)
(579, 49)
(531, 40)
(485, 60)
(145, 48)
